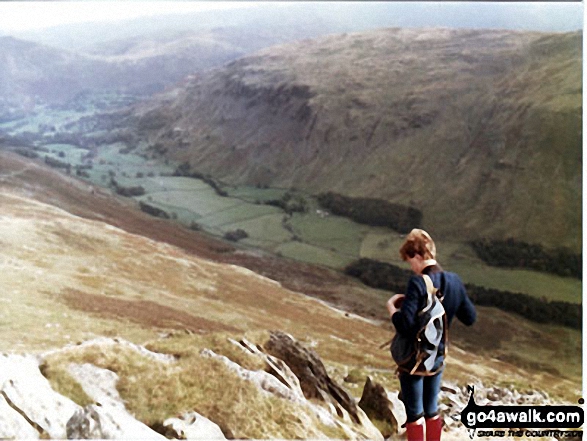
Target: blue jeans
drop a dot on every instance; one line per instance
(420, 395)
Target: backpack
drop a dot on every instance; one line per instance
(417, 356)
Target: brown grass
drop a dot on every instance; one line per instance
(154, 391)
(143, 312)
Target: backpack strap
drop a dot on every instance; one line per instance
(430, 291)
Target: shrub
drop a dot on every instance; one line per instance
(56, 163)
(27, 153)
(153, 211)
(393, 278)
(511, 253)
(373, 212)
(130, 191)
(290, 203)
(236, 235)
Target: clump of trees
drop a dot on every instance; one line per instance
(512, 253)
(126, 191)
(393, 278)
(373, 212)
(153, 211)
(130, 191)
(184, 169)
(236, 235)
(27, 153)
(56, 163)
(290, 203)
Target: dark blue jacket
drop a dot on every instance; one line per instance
(455, 301)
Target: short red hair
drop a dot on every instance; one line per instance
(418, 242)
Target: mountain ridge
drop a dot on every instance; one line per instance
(360, 114)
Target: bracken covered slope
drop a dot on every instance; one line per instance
(481, 130)
(78, 263)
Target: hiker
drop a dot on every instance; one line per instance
(420, 392)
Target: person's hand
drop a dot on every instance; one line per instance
(394, 303)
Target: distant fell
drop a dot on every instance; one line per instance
(480, 130)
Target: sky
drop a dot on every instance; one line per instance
(17, 16)
(31, 15)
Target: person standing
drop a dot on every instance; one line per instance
(420, 393)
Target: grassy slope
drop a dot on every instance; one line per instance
(71, 277)
(363, 114)
(309, 237)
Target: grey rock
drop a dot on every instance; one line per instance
(97, 422)
(97, 383)
(271, 385)
(24, 388)
(192, 426)
(275, 366)
(309, 369)
(108, 418)
(378, 407)
(262, 379)
(13, 425)
(85, 424)
(398, 409)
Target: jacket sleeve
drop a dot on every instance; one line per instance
(404, 320)
(466, 312)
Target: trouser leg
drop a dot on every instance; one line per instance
(430, 392)
(412, 387)
(434, 421)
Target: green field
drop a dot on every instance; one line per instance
(312, 236)
(461, 259)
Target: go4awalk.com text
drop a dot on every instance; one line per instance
(522, 421)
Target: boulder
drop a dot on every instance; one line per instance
(13, 425)
(29, 393)
(378, 408)
(99, 384)
(190, 426)
(263, 380)
(271, 385)
(109, 417)
(398, 409)
(85, 424)
(311, 373)
(275, 366)
(97, 422)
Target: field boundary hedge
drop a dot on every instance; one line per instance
(390, 277)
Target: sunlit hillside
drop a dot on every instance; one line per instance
(70, 275)
(486, 122)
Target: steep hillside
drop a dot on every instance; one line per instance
(487, 123)
(80, 263)
(32, 73)
(29, 71)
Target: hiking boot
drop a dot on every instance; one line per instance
(415, 430)
(433, 428)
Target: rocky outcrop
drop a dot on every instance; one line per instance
(108, 418)
(13, 424)
(97, 422)
(192, 425)
(379, 407)
(31, 409)
(281, 378)
(307, 366)
(28, 393)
